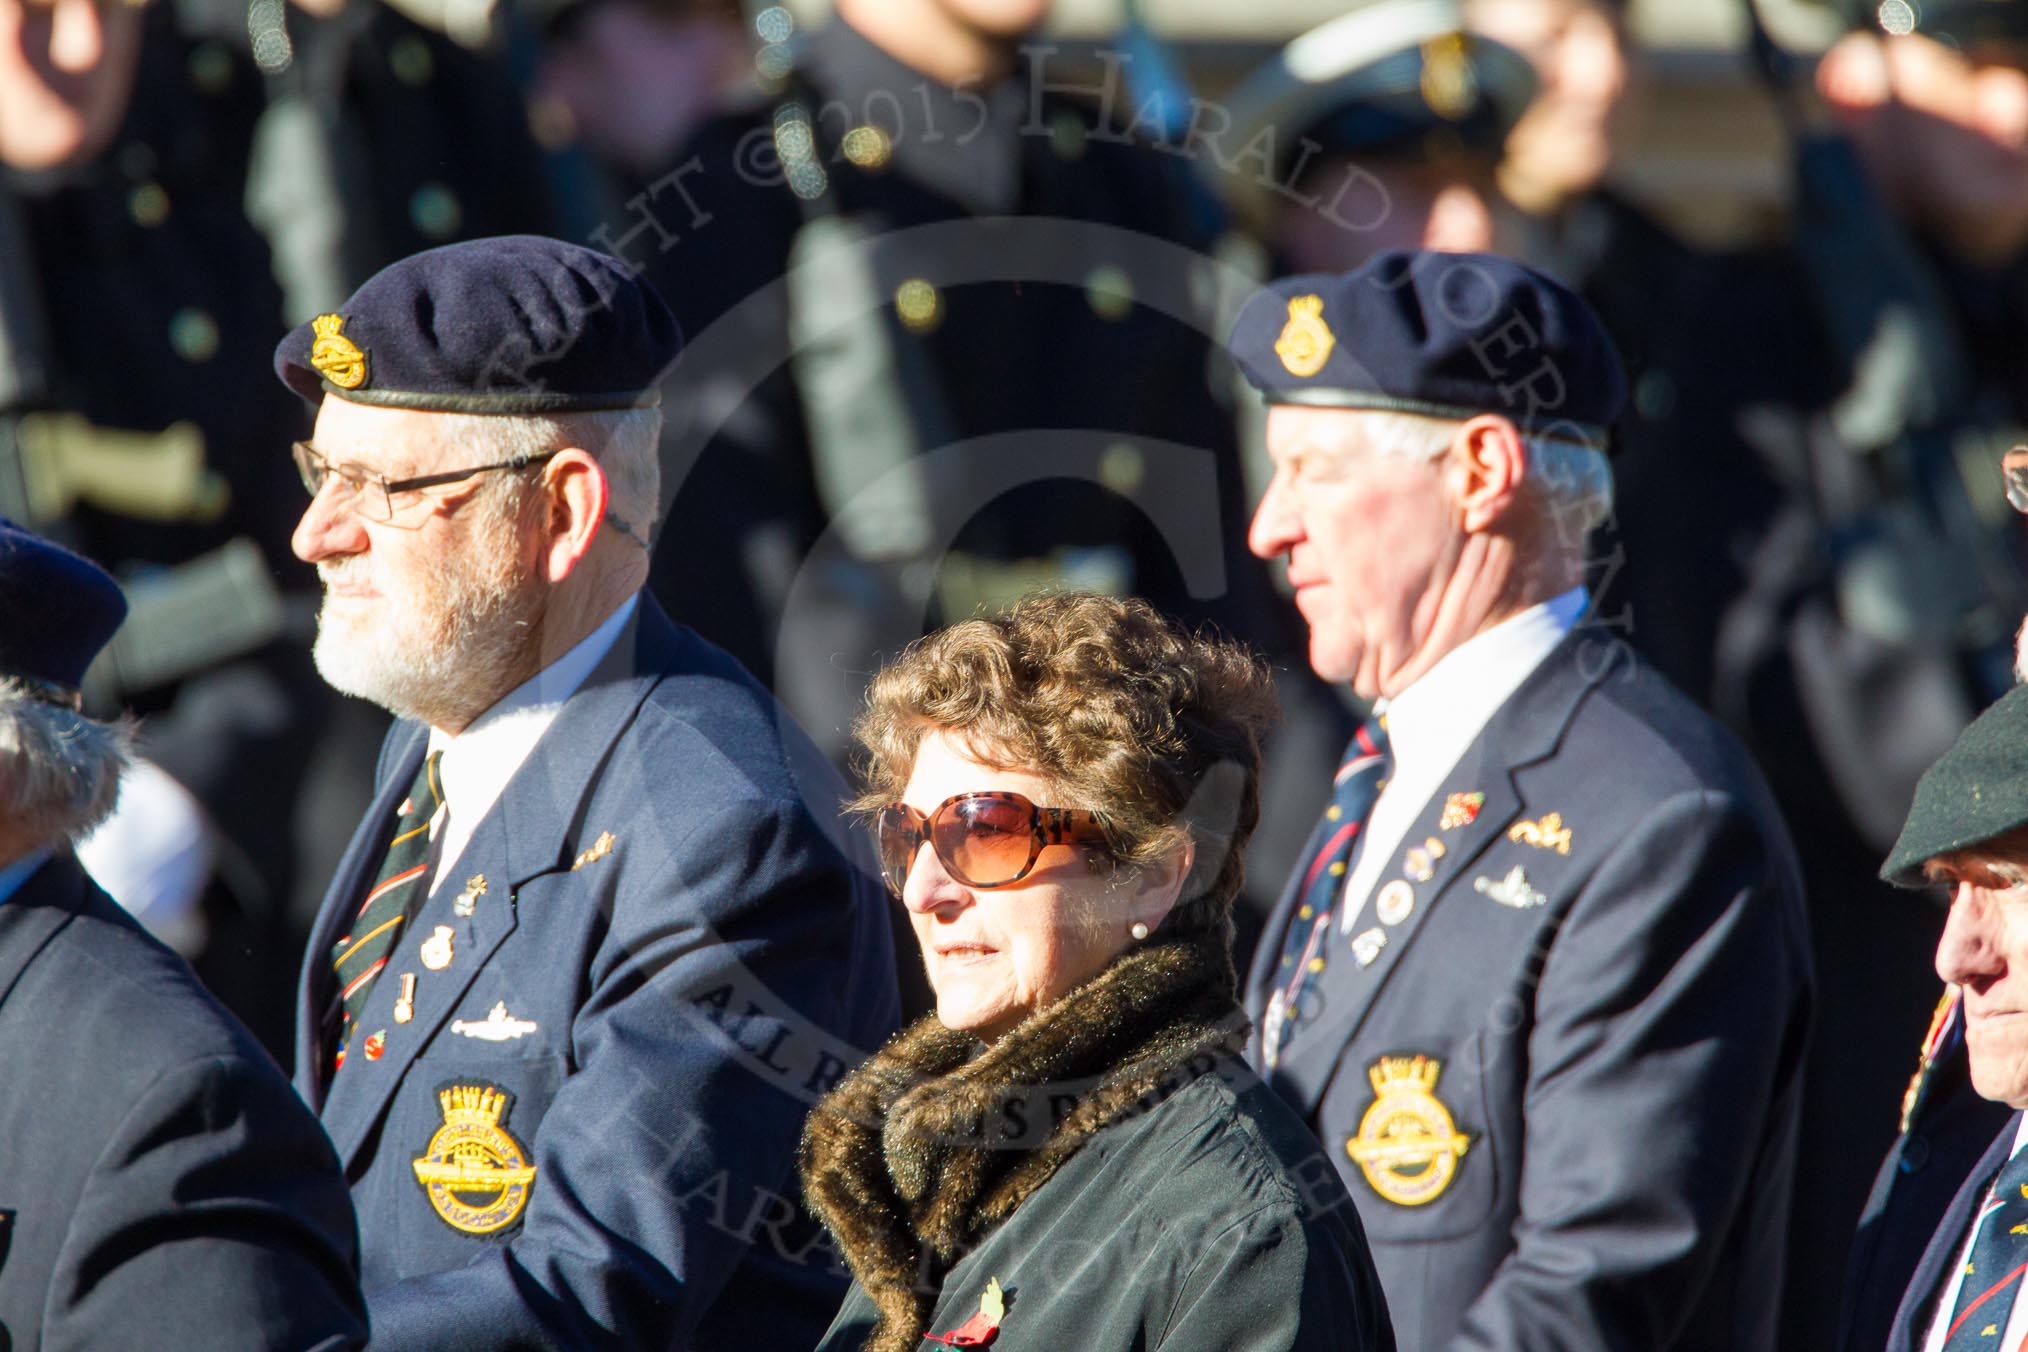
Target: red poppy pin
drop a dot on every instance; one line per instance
(1460, 809)
(981, 1328)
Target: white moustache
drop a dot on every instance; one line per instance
(341, 571)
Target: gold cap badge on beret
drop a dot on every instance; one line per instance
(336, 357)
(1306, 341)
(1449, 85)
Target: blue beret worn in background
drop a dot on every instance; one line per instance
(56, 611)
(1443, 335)
(518, 324)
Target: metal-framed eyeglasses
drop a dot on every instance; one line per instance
(373, 495)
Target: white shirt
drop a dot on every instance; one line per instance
(1434, 722)
(2017, 1319)
(479, 761)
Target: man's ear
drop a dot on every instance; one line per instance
(575, 492)
(1490, 460)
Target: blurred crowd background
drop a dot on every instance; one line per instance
(1806, 226)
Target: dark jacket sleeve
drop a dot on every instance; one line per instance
(1660, 1103)
(215, 1217)
(1268, 1283)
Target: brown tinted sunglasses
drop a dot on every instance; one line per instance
(989, 839)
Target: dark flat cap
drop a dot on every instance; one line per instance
(519, 324)
(1444, 335)
(1977, 790)
(56, 611)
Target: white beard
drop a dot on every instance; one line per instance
(2021, 652)
(440, 647)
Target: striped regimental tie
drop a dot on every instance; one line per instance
(1362, 773)
(1999, 1257)
(402, 883)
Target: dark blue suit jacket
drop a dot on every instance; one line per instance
(160, 1184)
(669, 952)
(1620, 1044)
(1918, 1302)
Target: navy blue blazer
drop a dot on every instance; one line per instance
(160, 1183)
(1918, 1301)
(1593, 935)
(570, 1112)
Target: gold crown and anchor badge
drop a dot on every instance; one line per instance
(336, 357)
(476, 1175)
(1408, 1146)
(1306, 340)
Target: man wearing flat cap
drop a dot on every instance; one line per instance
(1968, 830)
(1541, 981)
(598, 943)
(160, 1185)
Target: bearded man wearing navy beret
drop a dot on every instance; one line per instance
(1541, 980)
(600, 940)
(160, 1185)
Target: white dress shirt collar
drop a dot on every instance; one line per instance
(479, 761)
(1434, 722)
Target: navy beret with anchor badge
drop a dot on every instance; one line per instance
(1437, 334)
(517, 324)
(56, 611)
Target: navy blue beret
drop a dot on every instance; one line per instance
(56, 611)
(519, 324)
(1444, 335)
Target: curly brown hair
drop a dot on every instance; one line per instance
(1154, 729)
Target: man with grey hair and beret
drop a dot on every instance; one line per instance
(1968, 831)
(1541, 981)
(599, 942)
(160, 1185)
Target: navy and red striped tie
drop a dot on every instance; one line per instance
(402, 881)
(1999, 1257)
(1362, 773)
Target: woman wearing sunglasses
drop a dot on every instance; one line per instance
(1069, 1152)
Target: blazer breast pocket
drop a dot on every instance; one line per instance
(463, 1134)
(1412, 1133)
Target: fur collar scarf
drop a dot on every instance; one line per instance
(931, 1143)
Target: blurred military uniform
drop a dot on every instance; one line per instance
(383, 136)
(138, 308)
(1017, 321)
